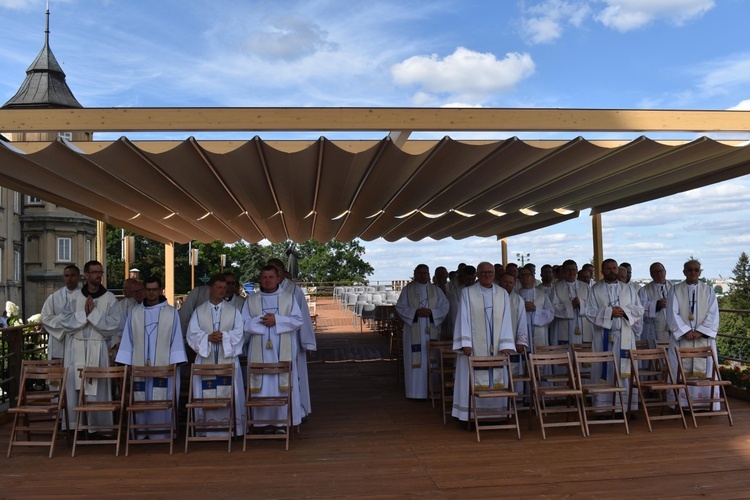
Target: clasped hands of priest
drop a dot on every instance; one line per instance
(268, 319)
(692, 335)
(215, 337)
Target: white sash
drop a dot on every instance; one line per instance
(625, 298)
(484, 344)
(160, 356)
(693, 367)
(255, 306)
(415, 328)
(212, 386)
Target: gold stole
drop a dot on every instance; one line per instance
(693, 367)
(415, 331)
(255, 306)
(211, 386)
(163, 347)
(480, 335)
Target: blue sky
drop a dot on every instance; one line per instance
(660, 54)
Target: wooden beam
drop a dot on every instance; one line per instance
(596, 232)
(504, 252)
(101, 248)
(370, 119)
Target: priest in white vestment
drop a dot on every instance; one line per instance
(271, 320)
(90, 319)
(466, 277)
(654, 300)
(616, 312)
(483, 329)
(305, 336)
(538, 310)
(693, 319)
(152, 336)
(215, 334)
(422, 307)
(52, 312)
(569, 298)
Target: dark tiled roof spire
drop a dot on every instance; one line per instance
(44, 86)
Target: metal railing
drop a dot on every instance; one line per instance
(16, 344)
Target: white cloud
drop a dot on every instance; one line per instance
(627, 15)
(465, 74)
(724, 75)
(742, 106)
(544, 22)
(289, 37)
(19, 4)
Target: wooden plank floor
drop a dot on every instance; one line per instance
(364, 439)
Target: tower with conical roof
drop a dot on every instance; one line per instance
(37, 238)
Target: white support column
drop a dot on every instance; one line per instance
(169, 272)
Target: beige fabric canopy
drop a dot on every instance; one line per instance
(230, 190)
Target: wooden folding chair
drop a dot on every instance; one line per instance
(615, 390)
(447, 381)
(434, 349)
(87, 408)
(559, 389)
(210, 377)
(39, 412)
(499, 363)
(523, 379)
(712, 381)
(556, 374)
(660, 381)
(140, 404)
(255, 402)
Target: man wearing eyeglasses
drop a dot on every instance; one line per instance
(483, 328)
(693, 320)
(91, 318)
(152, 337)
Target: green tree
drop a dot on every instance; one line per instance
(736, 324)
(332, 261)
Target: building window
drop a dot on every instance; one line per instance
(16, 266)
(31, 200)
(64, 249)
(68, 136)
(88, 250)
(17, 202)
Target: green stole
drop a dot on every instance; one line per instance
(693, 367)
(161, 354)
(213, 387)
(480, 338)
(415, 331)
(255, 306)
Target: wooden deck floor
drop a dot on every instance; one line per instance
(364, 439)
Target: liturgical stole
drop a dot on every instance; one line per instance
(160, 356)
(255, 306)
(415, 328)
(484, 342)
(212, 386)
(693, 367)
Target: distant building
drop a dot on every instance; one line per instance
(38, 239)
